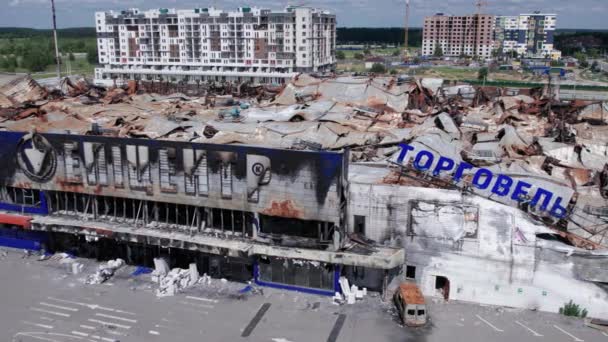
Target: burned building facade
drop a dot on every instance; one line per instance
(257, 208)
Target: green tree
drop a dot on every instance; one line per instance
(340, 55)
(378, 68)
(71, 57)
(483, 73)
(36, 59)
(92, 54)
(438, 50)
(367, 52)
(396, 53)
(595, 67)
(359, 56)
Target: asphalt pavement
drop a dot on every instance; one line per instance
(42, 301)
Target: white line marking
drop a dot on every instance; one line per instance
(166, 327)
(152, 332)
(88, 327)
(109, 323)
(31, 334)
(569, 334)
(102, 338)
(202, 299)
(603, 333)
(116, 317)
(35, 333)
(78, 333)
(58, 307)
(51, 312)
(489, 324)
(530, 330)
(44, 318)
(197, 305)
(114, 333)
(92, 306)
(38, 325)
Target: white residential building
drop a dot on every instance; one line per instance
(208, 44)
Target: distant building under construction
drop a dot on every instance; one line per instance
(470, 35)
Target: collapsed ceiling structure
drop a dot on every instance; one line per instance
(524, 133)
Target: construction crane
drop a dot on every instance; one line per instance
(407, 29)
(480, 4)
(57, 57)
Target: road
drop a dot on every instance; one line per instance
(43, 302)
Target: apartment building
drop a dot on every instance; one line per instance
(209, 44)
(531, 35)
(470, 35)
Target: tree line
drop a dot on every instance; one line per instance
(367, 35)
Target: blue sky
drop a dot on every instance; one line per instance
(351, 13)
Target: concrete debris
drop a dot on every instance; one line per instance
(520, 131)
(349, 294)
(105, 272)
(177, 280)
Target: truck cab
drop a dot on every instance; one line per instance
(411, 305)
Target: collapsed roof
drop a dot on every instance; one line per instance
(525, 134)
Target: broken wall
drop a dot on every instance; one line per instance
(489, 252)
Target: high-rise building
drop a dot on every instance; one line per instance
(208, 44)
(531, 35)
(470, 35)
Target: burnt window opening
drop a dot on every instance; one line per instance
(27, 197)
(410, 272)
(297, 273)
(360, 225)
(277, 226)
(153, 214)
(554, 237)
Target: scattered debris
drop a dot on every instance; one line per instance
(105, 272)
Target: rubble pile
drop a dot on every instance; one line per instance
(105, 272)
(174, 281)
(526, 133)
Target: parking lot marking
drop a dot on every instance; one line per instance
(202, 299)
(88, 327)
(38, 325)
(489, 324)
(79, 333)
(92, 306)
(152, 332)
(255, 320)
(603, 333)
(51, 312)
(116, 318)
(530, 330)
(335, 331)
(58, 307)
(110, 323)
(569, 334)
(196, 304)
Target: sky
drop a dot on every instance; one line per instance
(589, 14)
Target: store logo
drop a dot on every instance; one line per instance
(36, 157)
(499, 184)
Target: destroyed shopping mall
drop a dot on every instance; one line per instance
(299, 185)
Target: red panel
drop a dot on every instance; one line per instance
(16, 220)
